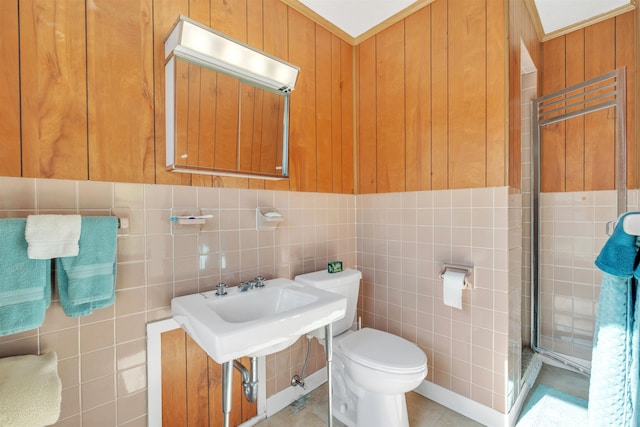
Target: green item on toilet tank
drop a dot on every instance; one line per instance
(334, 267)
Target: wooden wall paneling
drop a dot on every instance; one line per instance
(439, 96)
(248, 106)
(231, 19)
(418, 100)
(206, 125)
(192, 115)
(174, 378)
(120, 88)
(165, 14)
(521, 30)
(201, 109)
(574, 128)
(276, 42)
(390, 99)
(302, 136)
(192, 385)
(467, 94)
(552, 137)
(600, 126)
(516, 8)
(251, 159)
(336, 83)
(197, 384)
(53, 81)
(235, 418)
(626, 50)
(216, 417)
(226, 155)
(9, 90)
(496, 94)
(255, 37)
(348, 118)
(324, 130)
(367, 116)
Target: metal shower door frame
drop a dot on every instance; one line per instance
(598, 93)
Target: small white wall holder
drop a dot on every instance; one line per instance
(187, 220)
(268, 220)
(468, 270)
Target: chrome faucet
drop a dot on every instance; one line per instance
(258, 282)
(244, 286)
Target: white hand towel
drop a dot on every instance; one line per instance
(52, 236)
(30, 390)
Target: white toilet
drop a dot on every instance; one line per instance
(372, 370)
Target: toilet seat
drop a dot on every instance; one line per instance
(383, 352)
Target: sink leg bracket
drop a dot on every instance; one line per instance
(227, 389)
(328, 333)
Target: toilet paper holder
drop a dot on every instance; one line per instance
(468, 276)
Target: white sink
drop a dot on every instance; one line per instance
(257, 322)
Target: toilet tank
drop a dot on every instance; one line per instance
(346, 283)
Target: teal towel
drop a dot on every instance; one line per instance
(613, 386)
(25, 284)
(87, 281)
(618, 255)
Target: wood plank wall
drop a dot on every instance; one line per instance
(192, 386)
(521, 31)
(82, 90)
(431, 100)
(578, 154)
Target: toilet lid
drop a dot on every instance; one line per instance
(383, 351)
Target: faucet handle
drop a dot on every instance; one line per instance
(259, 282)
(221, 289)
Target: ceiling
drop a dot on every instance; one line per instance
(356, 17)
(552, 17)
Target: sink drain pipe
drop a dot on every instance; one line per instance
(249, 378)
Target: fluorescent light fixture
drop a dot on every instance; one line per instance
(201, 45)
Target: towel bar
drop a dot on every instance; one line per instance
(631, 224)
(123, 220)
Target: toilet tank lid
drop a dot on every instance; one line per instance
(324, 279)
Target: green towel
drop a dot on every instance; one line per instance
(25, 284)
(87, 281)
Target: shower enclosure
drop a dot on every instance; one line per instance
(568, 228)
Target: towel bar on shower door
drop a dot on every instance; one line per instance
(630, 224)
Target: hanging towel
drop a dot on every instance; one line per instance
(613, 386)
(30, 391)
(25, 284)
(88, 281)
(52, 236)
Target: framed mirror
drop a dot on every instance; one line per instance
(227, 105)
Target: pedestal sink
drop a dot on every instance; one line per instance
(256, 322)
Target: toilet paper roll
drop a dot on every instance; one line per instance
(452, 288)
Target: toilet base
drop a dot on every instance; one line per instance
(356, 407)
(376, 410)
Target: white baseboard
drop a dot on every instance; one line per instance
(281, 400)
(463, 405)
(460, 404)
